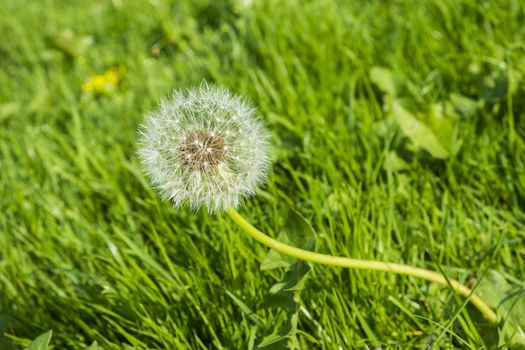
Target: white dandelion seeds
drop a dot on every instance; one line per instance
(205, 146)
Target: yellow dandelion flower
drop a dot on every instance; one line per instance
(103, 83)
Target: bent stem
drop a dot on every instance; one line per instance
(364, 265)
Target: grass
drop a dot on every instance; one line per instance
(88, 250)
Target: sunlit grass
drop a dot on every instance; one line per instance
(88, 250)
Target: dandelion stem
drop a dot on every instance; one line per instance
(364, 265)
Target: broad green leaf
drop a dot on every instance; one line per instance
(285, 338)
(70, 43)
(444, 128)
(509, 303)
(285, 295)
(296, 232)
(384, 79)
(9, 109)
(286, 292)
(464, 106)
(394, 163)
(419, 134)
(93, 346)
(272, 340)
(41, 342)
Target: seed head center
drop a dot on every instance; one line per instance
(202, 150)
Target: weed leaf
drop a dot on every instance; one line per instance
(41, 342)
(70, 43)
(419, 134)
(384, 79)
(464, 106)
(509, 302)
(285, 295)
(296, 232)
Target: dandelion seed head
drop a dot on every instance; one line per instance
(205, 146)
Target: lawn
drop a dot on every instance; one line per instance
(398, 131)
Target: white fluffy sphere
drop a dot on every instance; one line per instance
(205, 146)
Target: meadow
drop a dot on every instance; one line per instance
(398, 131)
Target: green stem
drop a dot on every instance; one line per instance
(363, 265)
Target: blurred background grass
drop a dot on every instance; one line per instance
(88, 250)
